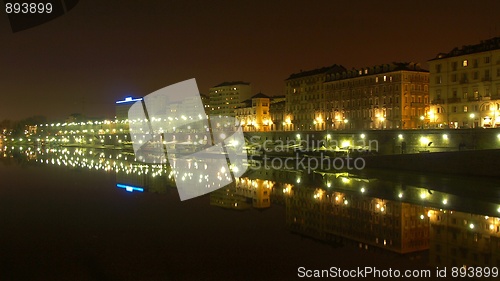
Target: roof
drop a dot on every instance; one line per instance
(483, 46)
(248, 102)
(377, 69)
(232, 83)
(323, 70)
(260, 96)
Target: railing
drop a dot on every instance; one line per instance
(437, 101)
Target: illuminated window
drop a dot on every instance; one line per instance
(376, 79)
(466, 108)
(385, 78)
(465, 63)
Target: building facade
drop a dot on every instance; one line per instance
(306, 101)
(226, 97)
(253, 114)
(387, 96)
(465, 86)
(277, 111)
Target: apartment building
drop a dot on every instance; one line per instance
(465, 86)
(385, 96)
(227, 96)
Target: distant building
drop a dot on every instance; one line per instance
(206, 103)
(465, 86)
(277, 110)
(306, 99)
(381, 97)
(253, 114)
(226, 97)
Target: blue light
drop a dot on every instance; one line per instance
(130, 188)
(128, 99)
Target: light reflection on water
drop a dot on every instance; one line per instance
(398, 216)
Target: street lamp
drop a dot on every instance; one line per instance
(422, 118)
(472, 116)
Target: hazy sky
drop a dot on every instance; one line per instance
(102, 51)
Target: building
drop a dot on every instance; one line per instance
(465, 86)
(227, 96)
(385, 96)
(206, 103)
(388, 96)
(306, 102)
(253, 114)
(277, 109)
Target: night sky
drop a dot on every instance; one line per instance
(102, 51)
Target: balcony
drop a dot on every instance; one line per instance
(473, 98)
(486, 79)
(437, 101)
(453, 100)
(463, 81)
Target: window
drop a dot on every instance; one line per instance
(486, 59)
(487, 74)
(498, 71)
(465, 63)
(385, 78)
(475, 63)
(476, 75)
(438, 79)
(454, 66)
(454, 77)
(466, 108)
(438, 68)
(454, 109)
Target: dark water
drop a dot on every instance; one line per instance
(67, 220)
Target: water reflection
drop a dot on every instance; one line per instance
(398, 214)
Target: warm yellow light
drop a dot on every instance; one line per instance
(424, 140)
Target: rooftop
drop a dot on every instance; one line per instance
(233, 83)
(483, 46)
(377, 69)
(327, 69)
(248, 102)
